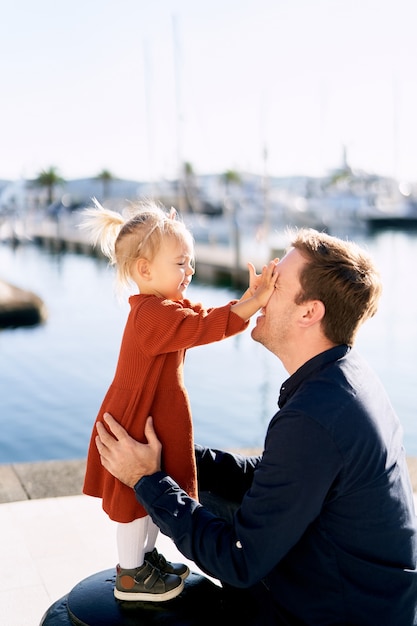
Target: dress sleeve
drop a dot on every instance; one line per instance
(288, 490)
(167, 326)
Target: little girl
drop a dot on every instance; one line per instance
(154, 251)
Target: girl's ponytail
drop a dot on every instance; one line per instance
(104, 227)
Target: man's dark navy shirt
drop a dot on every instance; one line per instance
(327, 518)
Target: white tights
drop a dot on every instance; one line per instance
(134, 540)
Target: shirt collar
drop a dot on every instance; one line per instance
(314, 364)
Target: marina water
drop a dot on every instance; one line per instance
(53, 377)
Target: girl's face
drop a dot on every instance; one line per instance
(172, 269)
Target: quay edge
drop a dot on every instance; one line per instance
(51, 479)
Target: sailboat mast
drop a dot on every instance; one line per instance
(179, 116)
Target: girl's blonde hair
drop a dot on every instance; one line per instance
(123, 240)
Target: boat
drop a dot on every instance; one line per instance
(400, 216)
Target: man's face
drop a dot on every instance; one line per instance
(276, 327)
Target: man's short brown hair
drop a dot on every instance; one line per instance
(343, 277)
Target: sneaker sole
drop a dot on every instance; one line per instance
(137, 596)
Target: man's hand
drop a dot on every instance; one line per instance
(124, 457)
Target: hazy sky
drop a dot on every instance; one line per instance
(139, 86)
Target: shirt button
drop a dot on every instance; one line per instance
(238, 544)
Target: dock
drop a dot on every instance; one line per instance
(216, 263)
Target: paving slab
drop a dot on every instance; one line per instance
(46, 479)
(11, 489)
(51, 479)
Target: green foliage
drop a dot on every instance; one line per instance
(49, 179)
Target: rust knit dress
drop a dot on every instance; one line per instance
(149, 381)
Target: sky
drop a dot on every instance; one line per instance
(138, 87)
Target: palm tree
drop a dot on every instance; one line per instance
(49, 179)
(106, 177)
(229, 178)
(190, 189)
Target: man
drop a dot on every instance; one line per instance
(325, 532)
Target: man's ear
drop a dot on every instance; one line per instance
(143, 268)
(313, 312)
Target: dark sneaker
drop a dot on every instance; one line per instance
(146, 584)
(166, 567)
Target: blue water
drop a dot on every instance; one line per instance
(53, 377)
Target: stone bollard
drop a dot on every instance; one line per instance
(19, 307)
(92, 603)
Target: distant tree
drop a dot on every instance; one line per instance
(231, 177)
(106, 177)
(231, 180)
(190, 188)
(188, 169)
(49, 179)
